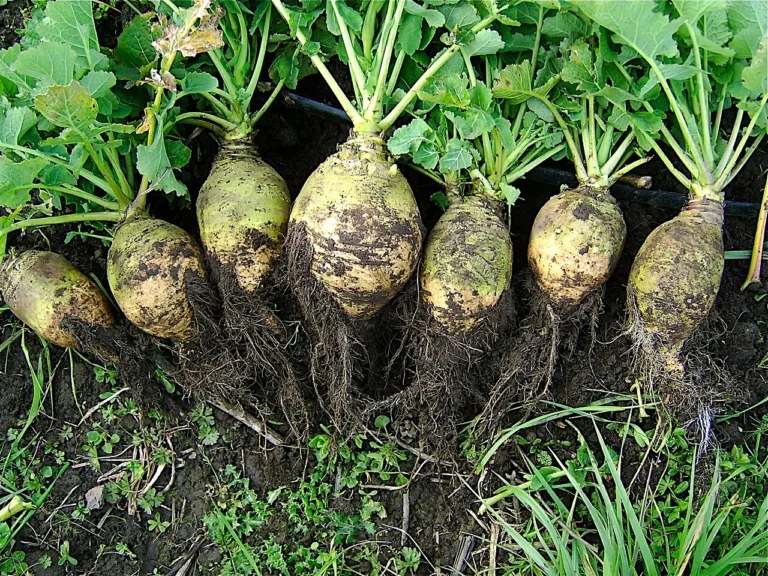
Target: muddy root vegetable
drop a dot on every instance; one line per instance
(243, 211)
(46, 292)
(148, 266)
(362, 226)
(576, 241)
(673, 283)
(467, 265)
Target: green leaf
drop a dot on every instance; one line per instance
(433, 17)
(670, 72)
(197, 82)
(135, 53)
(484, 43)
(178, 153)
(14, 123)
(511, 193)
(50, 63)
(457, 156)
(749, 22)
(563, 25)
(755, 76)
(71, 22)
(471, 123)
(514, 83)
(481, 96)
(68, 106)
(409, 34)
(17, 174)
(99, 83)
(286, 67)
(447, 91)
(153, 162)
(408, 138)
(459, 15)
(349, 16)
(540, 109)
(636, 24)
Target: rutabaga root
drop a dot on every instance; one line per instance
(49, 294)
(672, 289)
(337, 350)
(528, 365)
(446, 372)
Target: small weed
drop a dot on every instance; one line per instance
(203, 417)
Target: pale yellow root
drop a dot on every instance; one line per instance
(50, 295)
(147, 268)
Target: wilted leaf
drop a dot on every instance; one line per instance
(68, 106)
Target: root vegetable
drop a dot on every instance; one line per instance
(467, 264)
(576, 241)
(675, 278)
(362, 224)
(243, 211)
(53, 297)
(147, 268)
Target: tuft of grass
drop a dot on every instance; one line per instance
(591, 523)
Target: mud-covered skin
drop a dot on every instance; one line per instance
(49, 294)
(467, 264)
(364, 226)
(576, 241)
(243, 211)
(676, 274)
(146, 269)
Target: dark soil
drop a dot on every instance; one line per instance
(295, 143)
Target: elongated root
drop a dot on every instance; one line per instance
(528, 366)
(337, 351)
(254, 328)
(687, 380)
(446, 371)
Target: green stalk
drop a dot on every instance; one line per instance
(726, 174)
(616, 176)
(704, 119)
(374, 110)
(210, 118)
(369, 29)
(215, 56)
(105, 171)
(256, 117)
(242, 53)
(395, 72)
(745, 158)
(604, 148)
(682, 178)
(114, 160)
(114, 206)
(530, 165)
(486, 142)
(615, 160)
(390, 119)
(217, 104)
(735, 131)
(65, 219)
(251, 89)
(534, 62)
(755, 262)
(348, 107)
(354, 64)
(15, 506)
(88, 175)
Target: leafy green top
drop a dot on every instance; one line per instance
(383, 43)
(687, 62)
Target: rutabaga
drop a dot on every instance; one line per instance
(355, 234)
(700, 59)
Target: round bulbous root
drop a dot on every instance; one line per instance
(157, 274)
(576, 241)
(672, 289)
(51, 296)
(354, 240)
(466, 308)
(243, 210)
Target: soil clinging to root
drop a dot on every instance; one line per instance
(444, 377)
(528, 365)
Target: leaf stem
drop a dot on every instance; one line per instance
(354, 64)
(682, 178)
(251, 89)
(615, 160)
(114, 206)
(726, 173)
(704, 115)
(375, 109)
(345, 103)
(755, 262)
(65, 219)
(211, 118)
(616, 176)
(256, 117)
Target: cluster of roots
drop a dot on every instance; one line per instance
(442, 375)
(340, 363)
(239, 352)
(690, 384)
(528, 365)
